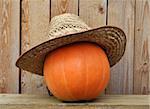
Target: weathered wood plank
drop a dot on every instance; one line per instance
(104, 102)
(121, 14)
(93, 12)
(142, 48)
(9, 45)
(35, 20)
(63, 6)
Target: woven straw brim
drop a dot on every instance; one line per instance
(111, 39)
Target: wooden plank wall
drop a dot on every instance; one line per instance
(35, 17)
(121, 14)
(142, 48)
(23, 24)
(9, 45)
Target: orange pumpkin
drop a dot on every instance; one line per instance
(76, 72)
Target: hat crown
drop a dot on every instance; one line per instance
(66, 24)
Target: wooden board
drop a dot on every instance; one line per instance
(121, 14)
(142, 48)
(64, 6)
(9, 45)
(93, 12)
(34, 22)
(44, 102)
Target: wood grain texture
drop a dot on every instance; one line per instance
(121, 14)
(142, 48)
(9, 45)
(35, 20)
(63, 6)
(104, 102)
(93, 12)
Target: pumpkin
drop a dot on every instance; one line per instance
(78, 71)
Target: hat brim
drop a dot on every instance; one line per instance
(111, 39)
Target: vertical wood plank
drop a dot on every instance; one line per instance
(64, 6)
(93, 12)
(121, 14)
(142, 47)
(9, 45)
(35, 20)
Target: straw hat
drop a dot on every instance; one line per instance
(69, 28)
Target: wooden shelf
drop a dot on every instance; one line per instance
(20, 101)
